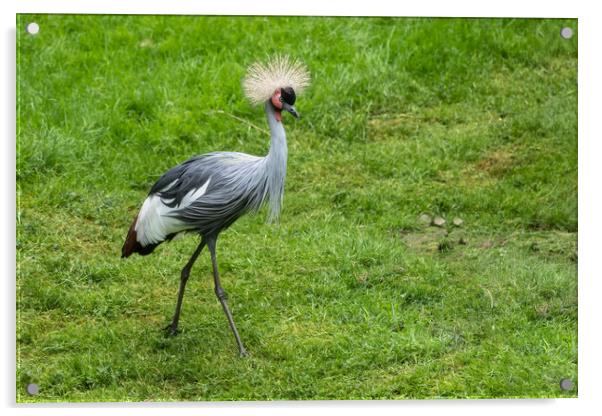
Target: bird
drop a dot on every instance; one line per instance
(206, 194)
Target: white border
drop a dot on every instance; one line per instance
(590, 209)
(467, 8)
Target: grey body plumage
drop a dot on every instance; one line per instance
(206, 194)
(238, 183)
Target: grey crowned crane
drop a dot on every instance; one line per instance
(208, 193)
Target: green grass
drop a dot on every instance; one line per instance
(351, 295)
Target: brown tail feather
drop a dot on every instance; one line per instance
(130, 244)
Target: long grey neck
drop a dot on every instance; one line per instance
(275, 162)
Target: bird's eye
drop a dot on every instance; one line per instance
(281, 99)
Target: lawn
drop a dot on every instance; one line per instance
(427, 244)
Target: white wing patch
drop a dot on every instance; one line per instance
(154, 223)
(194, 195)
(168, 187)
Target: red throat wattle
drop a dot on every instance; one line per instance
(277, 105)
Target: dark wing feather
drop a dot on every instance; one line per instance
(173, 186)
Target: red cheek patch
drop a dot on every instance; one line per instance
(276, 99)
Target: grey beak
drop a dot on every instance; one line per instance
(290, 109)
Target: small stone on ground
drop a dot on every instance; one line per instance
(438, 222)
(425, 219)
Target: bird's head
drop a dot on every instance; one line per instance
(276, 82)
(284, 99)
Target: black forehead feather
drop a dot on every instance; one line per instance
(288, 95)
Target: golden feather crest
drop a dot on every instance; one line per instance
(279, 72)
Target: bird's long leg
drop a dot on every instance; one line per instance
(172, 328)
(222, 296)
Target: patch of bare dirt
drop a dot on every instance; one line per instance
(497, 163)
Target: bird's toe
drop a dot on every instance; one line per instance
(171, 331)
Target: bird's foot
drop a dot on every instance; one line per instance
(242, 351)
(171, 330)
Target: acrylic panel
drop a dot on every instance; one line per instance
(425, 245)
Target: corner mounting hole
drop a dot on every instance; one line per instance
(32, 28)
(566, 32)
(566, 384)
(33, 389)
